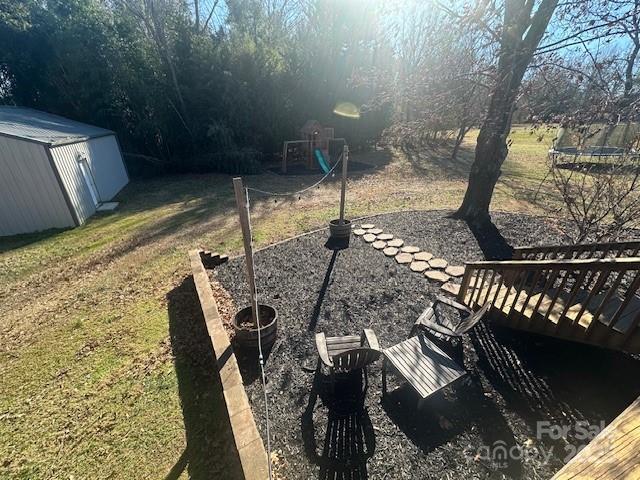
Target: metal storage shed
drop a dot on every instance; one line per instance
(54, 172)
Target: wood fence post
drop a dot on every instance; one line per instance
(343, 191)
(243, 213)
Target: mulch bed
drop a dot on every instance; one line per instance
(515, 379)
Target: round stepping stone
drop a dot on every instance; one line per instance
(390, 251)
(450, 287)
(375, 231)
(379, 244)
(438, 263)
(437, 276)
(396, 242)
(385, 236)
(409, 249)
(369, 237)
(418, 266)
(454, 270)
(359, 231)
(423, 256)
(367, 226)
(404, 258)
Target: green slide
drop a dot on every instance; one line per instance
(324, 165)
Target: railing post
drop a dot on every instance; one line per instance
(465, 284)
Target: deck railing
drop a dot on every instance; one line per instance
(580, 251)
(560, 295)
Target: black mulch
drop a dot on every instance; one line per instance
(515, 379)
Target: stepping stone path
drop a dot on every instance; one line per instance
(452, 288)
(436, 275)
(436, 262)
(418, 266)
(420, 262)
(454, 270)
(404, 257)
(423, 256)
(369, 237)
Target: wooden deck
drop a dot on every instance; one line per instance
(614, 454)
(594, 301)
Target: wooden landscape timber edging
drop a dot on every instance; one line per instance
(251, 451)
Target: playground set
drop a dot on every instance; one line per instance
(316, 144)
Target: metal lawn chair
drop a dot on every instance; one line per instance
(447, 333)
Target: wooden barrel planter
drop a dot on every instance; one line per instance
(339, 230)
(246, 333)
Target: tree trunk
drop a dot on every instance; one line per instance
(521, 35)
(628, 83)
(491, 151)
(462, 132)
(491, 147)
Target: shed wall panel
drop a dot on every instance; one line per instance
(107, 165)
(30, 197)
(66, 160)
(107, 169)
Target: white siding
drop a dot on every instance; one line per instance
(30, 196)
(66, 160)
(107, 168)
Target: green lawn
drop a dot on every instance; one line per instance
(105, 371)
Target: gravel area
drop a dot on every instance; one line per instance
(515, 379)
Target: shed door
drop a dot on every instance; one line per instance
(88, 179)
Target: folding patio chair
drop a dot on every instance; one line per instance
(449, 332)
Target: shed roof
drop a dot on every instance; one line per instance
(45, 128)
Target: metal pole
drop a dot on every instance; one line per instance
(343, 192)
(243, 213)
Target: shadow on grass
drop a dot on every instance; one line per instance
(202, 196)
(14, 242)
(210, 450)
(425, 156)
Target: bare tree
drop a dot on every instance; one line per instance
(436, 86)
(602, 199)
(154, 15)
(522, 28)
